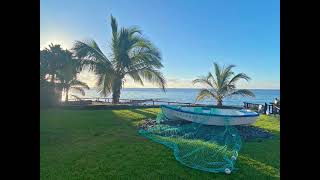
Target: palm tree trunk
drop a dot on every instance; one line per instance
(219, 103)
(52, 78)
(58, 94)
(116, 90)
(115, 96)
(67, 94)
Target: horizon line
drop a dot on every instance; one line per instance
(188, 88)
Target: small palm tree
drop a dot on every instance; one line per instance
(222, 84)
(131, 55)
(67, 76)
(74, 85)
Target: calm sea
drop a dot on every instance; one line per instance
(188, 95)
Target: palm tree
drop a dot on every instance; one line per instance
(75, 85)
(43, 68)
(53, 59)
(131, 55)
(222, 84)
(67, 76)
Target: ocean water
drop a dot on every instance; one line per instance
(188, 95)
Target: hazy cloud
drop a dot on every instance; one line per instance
(90, 79)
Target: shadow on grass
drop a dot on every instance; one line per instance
(258, 166)
(108, 142)
(145, 113)
(134, 117)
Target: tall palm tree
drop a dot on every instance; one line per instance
(131, 55)
(221, 84)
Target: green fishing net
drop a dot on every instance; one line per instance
(204, 147)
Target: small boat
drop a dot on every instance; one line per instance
(210, 116)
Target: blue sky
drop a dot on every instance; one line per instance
(190, 34)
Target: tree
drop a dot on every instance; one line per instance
(67, 76)
(221, 84)
(75, 85)
(58, 72)
(131, 55)
(53, 59)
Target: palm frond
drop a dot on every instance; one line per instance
(104, 84)
(211, 79)
(238, 77)
(206, 80)
(134, 29)
(202, 80)
(114, 26)
(79, 89)
(75, 97)
(243, 92)
(144, 58)
(89, 52)
(120, 49)
(217, 71)
(204, 94)
(78, 83)
(154, 76)
(136, 77)
(226, 74)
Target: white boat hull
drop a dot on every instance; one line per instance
(209, 119)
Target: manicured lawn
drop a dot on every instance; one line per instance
(105, 144)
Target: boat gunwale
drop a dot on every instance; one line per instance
(206, 114)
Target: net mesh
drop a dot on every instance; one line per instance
(204, 147)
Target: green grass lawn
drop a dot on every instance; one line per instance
(105, 144)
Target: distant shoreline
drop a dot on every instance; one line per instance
(187, 95)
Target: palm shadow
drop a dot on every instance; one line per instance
(145, 113)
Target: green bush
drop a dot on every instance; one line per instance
(48, 96)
